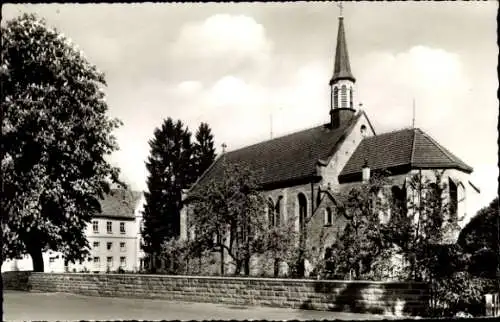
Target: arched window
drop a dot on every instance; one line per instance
(453, 191)
(335, 97)
(277, 214)
(461, 200)
(302, 210)
(351, 103)
(270, 212)
(398, 206)
(343, 96)
(328, 217)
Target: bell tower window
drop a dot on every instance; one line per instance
(351, 103)
(335, 97)
(343, 96)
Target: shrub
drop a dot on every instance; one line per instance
(460, 292)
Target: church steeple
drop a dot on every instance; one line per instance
(342, 67)
(342, 81)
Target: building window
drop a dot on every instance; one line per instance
(335, 97)
(461, 201)
(95, 226)
(109, 227)
(123, 261)
(278, 211)
(302, 210)
(122, 228)
(452, 187)
(122, 246)
(96, 244)
(109, 245)
(399, 203)
(328, 217)
(96, 260)
(343, 96)
(109, 260)
(52, 259)
(270, 212)
(351, 103)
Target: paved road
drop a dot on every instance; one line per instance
(22, 306)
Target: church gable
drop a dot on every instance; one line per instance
(345, 149)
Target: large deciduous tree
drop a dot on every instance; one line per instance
(361, 241)
(428, 223)
(230, 214)
(480, 238)
(169, 172)
(55, 139)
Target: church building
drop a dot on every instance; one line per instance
(304, 174)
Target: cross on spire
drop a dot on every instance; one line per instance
(341, 7)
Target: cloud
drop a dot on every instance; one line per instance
(220, 35)
(221, 44)
(433, 77)
(189, 87)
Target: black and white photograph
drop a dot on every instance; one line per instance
(331, 160)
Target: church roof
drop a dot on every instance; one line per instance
(342, 67)
(288, 158)
(408, 147)
(119, 204)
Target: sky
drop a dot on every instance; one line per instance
(252, 70)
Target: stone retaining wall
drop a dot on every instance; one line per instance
(392, 298)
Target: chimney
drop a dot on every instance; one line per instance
(365, 172)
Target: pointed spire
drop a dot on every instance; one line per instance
(342, 69)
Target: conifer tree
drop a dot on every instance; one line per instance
(203, 150)
(169, 166)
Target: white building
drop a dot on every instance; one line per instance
(114, 238)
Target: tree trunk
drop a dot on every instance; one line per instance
(237, 269)
(221, 260)
(152, 266)
(37, 259)
(247, 266)
(276, 267)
